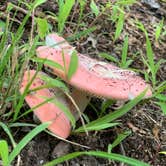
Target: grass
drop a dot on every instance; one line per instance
(18, 54)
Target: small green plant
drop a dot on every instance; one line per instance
(7, 157)
(153, 66)
(65, 7)
(94, 8)
(118, 15)
(124, 62)
(158, 30)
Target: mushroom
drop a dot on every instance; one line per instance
(92, 76)
(48, 111)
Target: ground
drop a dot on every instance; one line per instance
(146, 121)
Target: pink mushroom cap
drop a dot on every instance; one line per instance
(48, 111)
(95, 77)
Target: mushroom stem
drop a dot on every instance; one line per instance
(81, 99)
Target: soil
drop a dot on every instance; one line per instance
(146, 121)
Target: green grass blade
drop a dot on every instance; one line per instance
(4, 152)
(163, 152)
(38, 2)
(42, 25)
(118, 113)
(161, 97)
(119, 24)
(48, 62)
(159, 30)
(119, 139)
(7, 131)
(124, 53)
(94, 8)
(66, 110)
(73, 65)
(162, 106)
(97, 127)
(108, 57)
(111, 156)
(26, 139)
(63, 108)
(54, 82)
(64, 13)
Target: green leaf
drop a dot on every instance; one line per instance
(164, 152)
(125, 2)
(159, 30)
(54, 82)
(42, 27)
(94, 8)
(98, 127)
(162, 106)
(124, 53)
(118, 140)
(38, 2)
(73, 65)
(64, 12)
(81, 34)
(111, 156)
(119, 24)
(58, 103)
(7, 131)
(66, 111)
(26, 139)
(161, 97)
(117, 114)
(108, 57)
(48, 63)
(4, 152)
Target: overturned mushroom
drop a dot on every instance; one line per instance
(92, 76)
(48, 111)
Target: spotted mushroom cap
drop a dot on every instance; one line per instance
(95, 77)
(49, 111)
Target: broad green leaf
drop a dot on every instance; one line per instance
(4, 152)
(94, 8)
(26, 139)
(111, 156)
(42, 27)
(73, 65)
